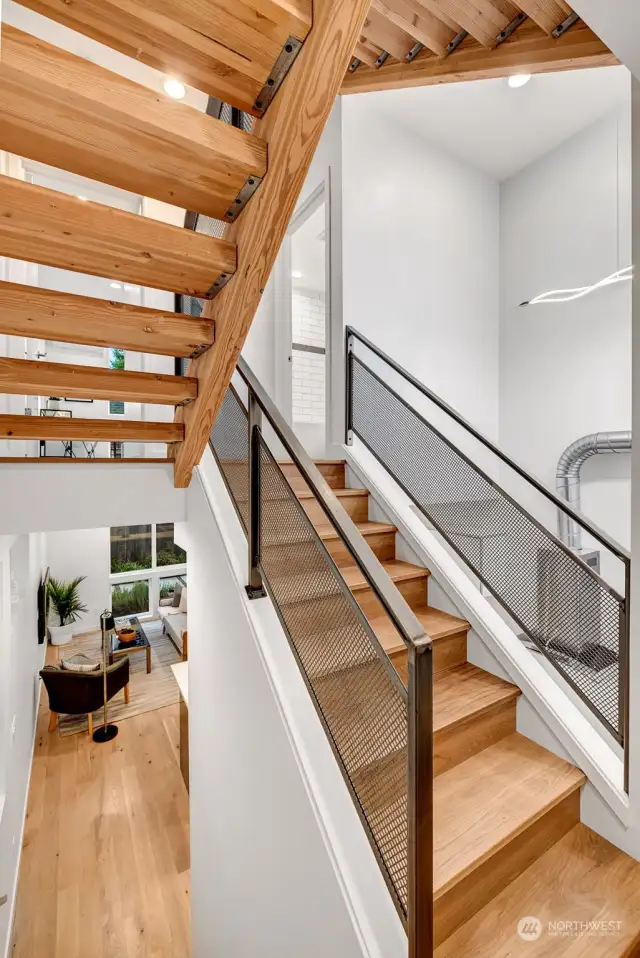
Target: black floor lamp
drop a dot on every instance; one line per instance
(106, 732)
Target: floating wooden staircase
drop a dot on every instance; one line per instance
(57, 108)
(507, 833)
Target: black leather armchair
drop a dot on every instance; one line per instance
(77, 693)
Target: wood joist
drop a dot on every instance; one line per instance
(92, 430)
(420, 42)
(227, 48)
(66, 111)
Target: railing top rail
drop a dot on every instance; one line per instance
(599, 534)
(404, 619)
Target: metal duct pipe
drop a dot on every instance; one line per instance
(568, 475)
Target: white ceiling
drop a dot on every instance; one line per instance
(500, 130)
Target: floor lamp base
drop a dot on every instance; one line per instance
(105, 733)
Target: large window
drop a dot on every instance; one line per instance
(138, 556)
(131, 548)
(130, 598)
(167, 552)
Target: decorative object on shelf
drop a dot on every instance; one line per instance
(57, 413)
(106, 732)
(127, 635)
(76, 400)
(64, 599)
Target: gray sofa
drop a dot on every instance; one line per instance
(174, 621)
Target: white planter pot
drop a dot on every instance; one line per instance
(61, 634)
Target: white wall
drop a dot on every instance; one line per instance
(272, 823)
(56, 496)
(420, 253)
(83, 552)
(565, 369)
(22, 560)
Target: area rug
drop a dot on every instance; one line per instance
(148, 691)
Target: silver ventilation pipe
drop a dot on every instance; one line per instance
(568, 475)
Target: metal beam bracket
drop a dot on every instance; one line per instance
(457, 40)
(381, 59)
(242, 198)
(355, 63)
(413, 52)
(566, 24)
(281, 67)
(511, 28)
(199, 350)
(219, 284)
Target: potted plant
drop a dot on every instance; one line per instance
(64, 598)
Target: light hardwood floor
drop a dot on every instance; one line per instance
(105, 861)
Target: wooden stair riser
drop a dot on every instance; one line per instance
(356, 506)
(382, 544)
(448, 653)
(455, 744)
(413, 590)
(332, 472)
(459, 903)
(66, 111)
(55, 229)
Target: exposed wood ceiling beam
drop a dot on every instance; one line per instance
(480, 18)
(527, 50)
(44, 226)
(93, 430)
(417, 22)
(28, 377)
(367, 52)
(377, 29)
(226, 49)
(433, 7)
(548, 14)
(60, 109)
(61, 317)
(50, 460)
(292, 128)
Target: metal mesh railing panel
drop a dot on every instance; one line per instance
(363, 711)
(230, 440)
(570, 615)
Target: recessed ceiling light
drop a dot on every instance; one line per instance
(174, 88)
(81, 197)
(518, 80)
(115, 285)
(296, 274)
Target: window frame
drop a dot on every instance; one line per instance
(153, 574)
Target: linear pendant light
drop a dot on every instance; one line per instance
(566, 295)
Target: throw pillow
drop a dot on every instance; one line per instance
(80, 663)
(176, 596)
(183, 600)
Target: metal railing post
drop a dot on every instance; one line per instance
(348, 398)
(420, 800)
(624, 672)
(255, 588)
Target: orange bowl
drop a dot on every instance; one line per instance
(127, 635)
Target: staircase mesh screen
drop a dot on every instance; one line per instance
(571, 616)
(363, 710)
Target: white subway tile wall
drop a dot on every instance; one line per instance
(308, 369)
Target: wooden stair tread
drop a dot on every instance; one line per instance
(225, 49)
(437, 624)
(43, 226)
(340, 493)
(98, 430)
(483, 803)
(126, 460)
(63, 317)
(66, 111)
(466, 691)
(328, 533)
(582, 877)
(396, 569)
(36, 378)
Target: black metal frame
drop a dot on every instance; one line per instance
(621, 734)
(419, 694)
